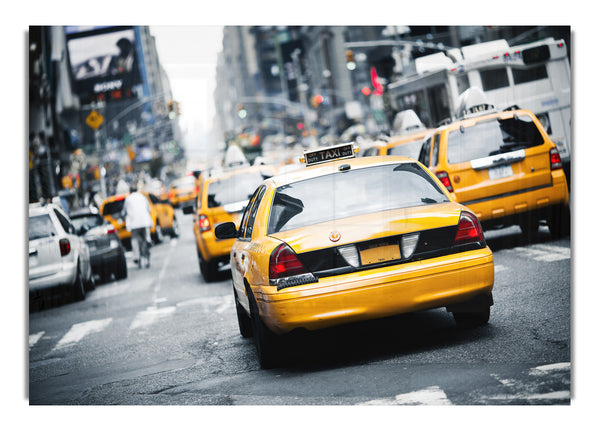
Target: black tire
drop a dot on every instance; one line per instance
(121, 269)
(209, 270)
(174, 231)
(472, 319)
(78, 289)
(90, 284)
(157, 236)
(244, 321)
(529, 227)
(267, 343)
(559, 222)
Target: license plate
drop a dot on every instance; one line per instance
(500, 172)
(381, 253)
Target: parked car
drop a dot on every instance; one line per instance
(59, 260)
(107, 253)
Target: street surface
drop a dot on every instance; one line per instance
(165, 337)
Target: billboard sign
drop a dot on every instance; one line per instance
(102, 59)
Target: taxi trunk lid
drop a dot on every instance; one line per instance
(377, 240)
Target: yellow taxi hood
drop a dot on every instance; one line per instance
(370, 226)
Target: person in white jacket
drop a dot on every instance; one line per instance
(138, 221)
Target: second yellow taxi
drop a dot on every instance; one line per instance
(350, 239)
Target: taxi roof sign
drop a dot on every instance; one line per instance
(327, 154)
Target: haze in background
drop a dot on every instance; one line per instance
(189, 56)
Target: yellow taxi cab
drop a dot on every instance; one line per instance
(222, 199)
(502, 165)
(163, 217)
(348, 239)
(183, 193)
(403, 145)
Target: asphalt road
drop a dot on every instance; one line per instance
(163, 336)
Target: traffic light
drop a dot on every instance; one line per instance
(316, 100)
(242, 113)
(350, 63)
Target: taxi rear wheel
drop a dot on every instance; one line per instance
(244, 321)
(209, 270)
(267, 343)
(472, 319)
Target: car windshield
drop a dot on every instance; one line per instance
(350, 193)
(410, 149)
(41, 227)
(236, 188)
(113, 208)
(488, 138)
(86, 221)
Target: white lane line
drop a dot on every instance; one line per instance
(149, 316)
(227, 304)
(34, 338)
(430, 396)
(550, 368)
(544, 252)
(80, 330)
(499, 268)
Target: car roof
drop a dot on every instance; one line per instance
(230, 173)
(333, 166)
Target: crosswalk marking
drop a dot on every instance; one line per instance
(80, 330)
(430, 396)
(34, 338)
(544, 252)
(149, 316)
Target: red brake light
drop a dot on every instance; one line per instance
(284, 263)
(445, 179)
(203, 223)
(469, 229)
(65, 246)
(110, 229)
(555, 161)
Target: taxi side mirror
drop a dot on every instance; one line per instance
(226, 230)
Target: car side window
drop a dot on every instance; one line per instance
(153, 198)
(424, 154)
(436, 150)
(66, 224)
(245, 216)
(253, 211)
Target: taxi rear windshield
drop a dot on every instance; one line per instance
(350, 193)
(113, 208)
(489, 138)
(233, 189)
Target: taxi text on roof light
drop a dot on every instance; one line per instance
(327, 154)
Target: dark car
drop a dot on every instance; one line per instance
(107, 253)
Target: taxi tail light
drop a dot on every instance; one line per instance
(203, 223)
(469, 229)
(110, 229)
(284, 263)
(445, 179)
(65, 246)
(555, 161)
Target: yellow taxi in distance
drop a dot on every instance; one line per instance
(354, 239)
(405, 145)
(504, 167)
(163, 217)
(183, 193)
(222, 198)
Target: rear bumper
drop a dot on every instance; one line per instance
(373, 294)
(105, 258)
(65, 277)
(502, 208)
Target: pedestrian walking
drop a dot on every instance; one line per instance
(138, 221)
